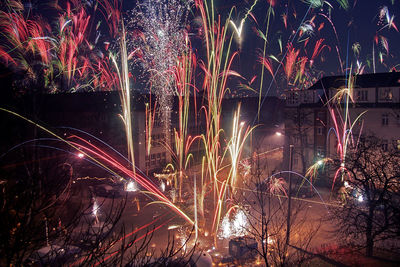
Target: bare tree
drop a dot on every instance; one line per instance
(299, 129)
(370, 216)
(47, 218)
(267, 218)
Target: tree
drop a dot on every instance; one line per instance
(43, 206)
(267, 219)
(299, 126)
(370, 216)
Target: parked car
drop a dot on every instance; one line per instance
(53, 255)
(243, 248)
(107, 191)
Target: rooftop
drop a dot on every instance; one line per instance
(388, 79)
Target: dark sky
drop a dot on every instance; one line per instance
(359, 26)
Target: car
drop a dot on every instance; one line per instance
(241, 248)
(53, 255)
(107, 191)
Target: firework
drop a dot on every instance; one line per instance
(158, 30)
(108, 162)
(235, 227)
(59, 55)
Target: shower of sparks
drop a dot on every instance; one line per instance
(131, 187)
(235, 227)
(109, 163)
(157, 29)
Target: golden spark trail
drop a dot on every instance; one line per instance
(125, 95)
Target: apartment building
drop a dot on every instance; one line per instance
(371, 106)
(95, 116)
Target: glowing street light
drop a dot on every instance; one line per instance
(80, 155)
(131, 187)
(162, 186)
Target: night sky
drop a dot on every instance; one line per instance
(359, 24)
(362, 35)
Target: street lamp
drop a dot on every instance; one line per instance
(291, 147)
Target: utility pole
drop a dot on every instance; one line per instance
(289, 194)
(195, 209)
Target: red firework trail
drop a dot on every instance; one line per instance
(104, 157)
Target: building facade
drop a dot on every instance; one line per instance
(317, 119)
(95, 117)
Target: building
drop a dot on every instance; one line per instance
(96, 116)
(314, 124)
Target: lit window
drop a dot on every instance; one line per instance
(362, 95)
(386, 94)
(320, 152)
(385, 119)
(396, 144)
(293, 98)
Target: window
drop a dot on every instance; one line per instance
(296, 140)
(293, 98)
(386, 94)
(320, 152)
(385, 119)
(308, 97)
(385, 145)
(295, 160)
(362, 95)
(320, 130)
(396, 144)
